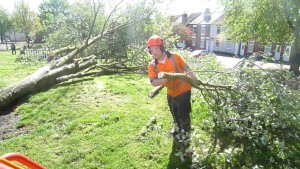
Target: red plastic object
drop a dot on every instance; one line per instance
(6, 164)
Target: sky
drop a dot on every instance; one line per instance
(9, 5)
(190, 6)
(172, 7)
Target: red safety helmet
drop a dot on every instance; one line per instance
(155, 40)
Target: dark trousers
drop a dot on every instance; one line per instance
(180, 107)
(13, 51)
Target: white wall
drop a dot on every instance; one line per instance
(17, 36)
(213, 31)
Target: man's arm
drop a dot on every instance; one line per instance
(158, 82)
(190, 73)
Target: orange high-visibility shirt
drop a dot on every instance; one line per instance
(174, 87)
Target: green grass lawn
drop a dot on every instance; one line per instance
(92, 122)
(12, 71)
(104, 122)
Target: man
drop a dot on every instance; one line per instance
(13, 48)
(178, 91)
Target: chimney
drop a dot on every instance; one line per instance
(184, 18)
(207, 15)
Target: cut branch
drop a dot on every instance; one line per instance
(54, 53)
(185, 77)
(155, 91)
(72, 76)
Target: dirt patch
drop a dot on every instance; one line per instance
(9, 127)
(8, 124)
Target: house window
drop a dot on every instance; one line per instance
(250, 46)
(194, 29)
(287, 52)
(218, 29)
(228, 45)
(193, 41)
(202, 42)
(268, 48)
(202, 29)
(278, 49)
(217, 43)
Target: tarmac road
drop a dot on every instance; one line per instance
(230, 61)
(3, 46)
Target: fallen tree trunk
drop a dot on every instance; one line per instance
(67, 67)
(34, 83)
(39, 78)
(80, 67)
(45, 76)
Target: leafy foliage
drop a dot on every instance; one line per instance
(24, 19)
(69, 25)
(184, 32)
(254, 125)
(5, 23)
(138, 20)
(49, 13)
(128, 43)
(259, 19)
(267, 21)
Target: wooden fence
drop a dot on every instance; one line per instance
(33, 55)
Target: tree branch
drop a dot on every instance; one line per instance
(155, 91)
(61, 50)
(183, 76)
(94, 21)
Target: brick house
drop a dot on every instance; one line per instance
(185, 20)
(208, 34)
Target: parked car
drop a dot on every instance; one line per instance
(7, 40)
(261, 54)
(198, 53)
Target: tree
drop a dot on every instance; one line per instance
(84, 36)
(5, 23)
(184, 32)
(268, 21)
(24, 19)
(74, 28)
(50, 12)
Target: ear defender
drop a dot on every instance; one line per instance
(162, 49)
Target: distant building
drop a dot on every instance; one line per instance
(208, 34)
(20, 37)
(16, 36)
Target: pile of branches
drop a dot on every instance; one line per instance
(254, 121)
